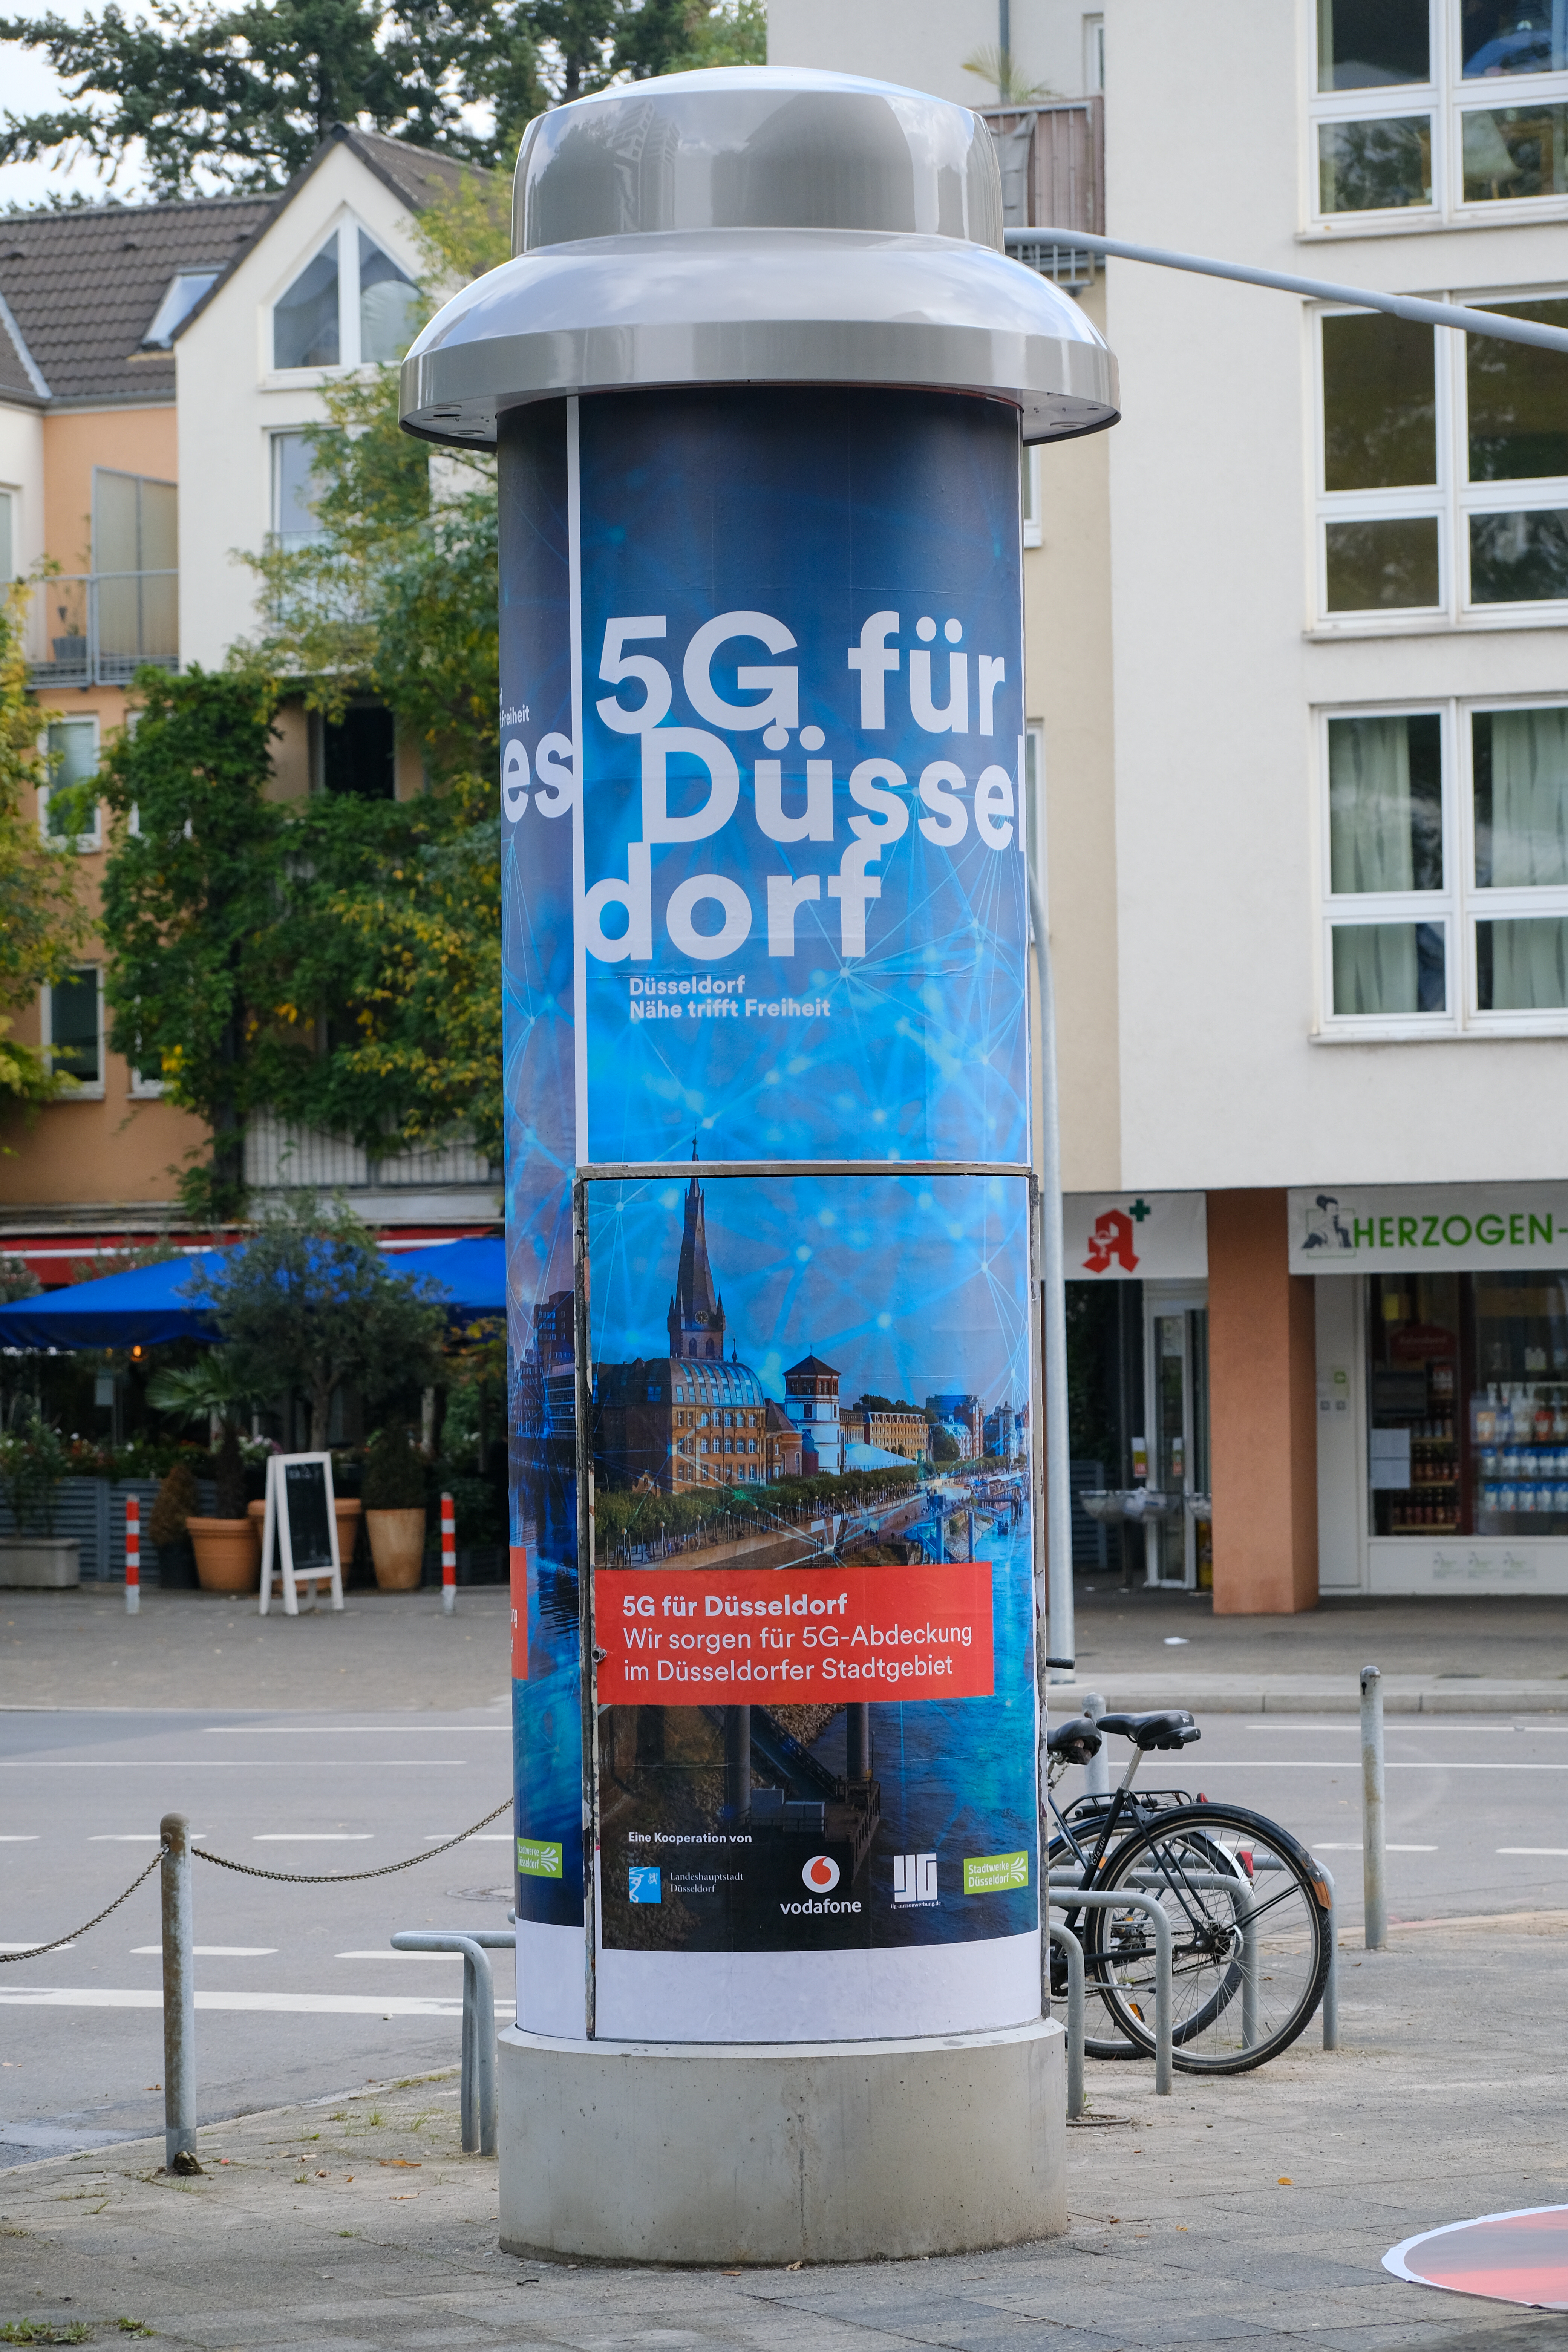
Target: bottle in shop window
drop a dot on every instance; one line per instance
(1543, 1419)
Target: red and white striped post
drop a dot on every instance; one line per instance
(133, 1555)
(448, 1554)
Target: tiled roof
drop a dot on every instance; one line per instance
(82, 286)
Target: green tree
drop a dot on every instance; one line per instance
(188, 890)
(237, 97)
(42, 923)
(310, 1302)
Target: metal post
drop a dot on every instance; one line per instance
(1053, 1289)
(1374, 1882)
(1125, 1899)
(448, 1555)
(1332, 1981)
(858, 1741)
(1097, 1771)
(1065, 1941)
(1250, 1979)
(179, 1999)
(133, 1555)
(479, 2076)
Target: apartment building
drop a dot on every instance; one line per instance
(1296, 644)
(158, 365)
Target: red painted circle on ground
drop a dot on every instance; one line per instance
(1506, 2257)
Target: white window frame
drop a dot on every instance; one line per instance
(12, 497)
(1453, 499)
(1461, 903)
(86, 841)
(83, 1091)
(344, 232)
(1029, 483)
(1093, 54)
(1445, 98)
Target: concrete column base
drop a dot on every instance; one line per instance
(782, 2152)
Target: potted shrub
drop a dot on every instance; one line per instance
(168, 1527)
(393, 1492)
(228, 1545)
(34, 1462)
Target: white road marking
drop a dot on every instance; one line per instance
(390, 1955)
(211, 1951)
(380, 1730)
(1354, 1845)
(292, 2004)
(34, 1946)
(18, 1837)
(311, 1837)
(227, 1763)
(1392, 1724)
(1339, 1763)
(1533, 1849)
(477, 1837)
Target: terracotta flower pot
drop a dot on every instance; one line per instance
(397, 1548)
(228, 1554)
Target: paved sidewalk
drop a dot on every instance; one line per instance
(1243, 2212)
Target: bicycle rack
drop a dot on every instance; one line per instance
(1065, 1941)
(478, 2021)
(1127, 1899)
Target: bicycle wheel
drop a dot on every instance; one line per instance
(1249, 1936)
(1097, 2044)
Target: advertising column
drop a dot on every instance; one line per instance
(759, 382)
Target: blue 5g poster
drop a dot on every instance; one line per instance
(765, 900)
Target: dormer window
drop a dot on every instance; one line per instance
(349, 306)
(185, 289)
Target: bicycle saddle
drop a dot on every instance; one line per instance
(1078, 1741)
(1174, 1728)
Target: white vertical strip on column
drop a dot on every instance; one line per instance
(579, 853)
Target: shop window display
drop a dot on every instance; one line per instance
(1467, 1386)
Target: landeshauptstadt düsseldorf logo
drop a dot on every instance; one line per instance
(820, 1875)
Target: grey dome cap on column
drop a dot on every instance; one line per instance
(764, 226)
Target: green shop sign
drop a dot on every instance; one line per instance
(1390, 1229)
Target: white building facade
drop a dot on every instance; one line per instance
(1298, 680)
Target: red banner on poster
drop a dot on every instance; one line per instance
(694, 1637)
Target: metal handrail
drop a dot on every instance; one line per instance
(88, 662)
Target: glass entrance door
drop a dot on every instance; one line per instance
(1176, 1355)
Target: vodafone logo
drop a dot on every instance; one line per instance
(821, 1873)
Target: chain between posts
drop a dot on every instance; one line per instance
(345, 1877)
(36, 1951)
(248, 1870)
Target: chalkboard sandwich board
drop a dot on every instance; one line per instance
(299, 1531)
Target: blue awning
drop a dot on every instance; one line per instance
(152, 1305)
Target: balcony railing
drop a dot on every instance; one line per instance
(1053, 177)
(98, 629)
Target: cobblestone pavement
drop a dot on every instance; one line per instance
(1249, 2211)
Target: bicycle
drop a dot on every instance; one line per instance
(1249, 1913)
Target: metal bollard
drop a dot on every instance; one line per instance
(1332, 1981)
(448, 1555)
(478, 2099)
(179, 1999)
(1374, 1881)
(1124, 1898)
(1097, 1771)
(133, 1555)
(1065, 1941)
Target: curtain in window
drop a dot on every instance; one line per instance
(1371, 849)
(1530, 799)
(1529, 965)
